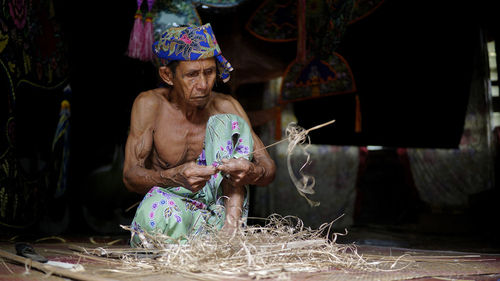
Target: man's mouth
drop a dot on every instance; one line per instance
(200, 97)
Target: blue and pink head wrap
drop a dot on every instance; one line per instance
(191, 43)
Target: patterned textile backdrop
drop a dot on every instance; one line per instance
(317, 78)
(318, 26)
(32, 56)
(446, 177)
(276, 20)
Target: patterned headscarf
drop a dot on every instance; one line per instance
(191, 43)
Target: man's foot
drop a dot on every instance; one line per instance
(230, 225)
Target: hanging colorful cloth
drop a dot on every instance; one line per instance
(137, 34)
(62, 137)
(316, 78)
(147, 51)
(318, 70)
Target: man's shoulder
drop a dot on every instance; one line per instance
(153, 95)
(225, 103)
(150, 99)
(147, 105)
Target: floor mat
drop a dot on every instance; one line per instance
(408, 264)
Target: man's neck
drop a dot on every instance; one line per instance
(192, 113)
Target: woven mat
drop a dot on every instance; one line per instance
(425, 264)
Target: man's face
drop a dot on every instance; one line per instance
(194, 80)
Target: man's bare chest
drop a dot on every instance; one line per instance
(177, 142)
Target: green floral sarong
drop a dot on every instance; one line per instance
(179, 213)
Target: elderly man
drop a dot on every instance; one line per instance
(190, 150)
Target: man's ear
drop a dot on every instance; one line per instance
(166, 75)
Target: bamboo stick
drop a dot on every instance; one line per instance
(48, 269)
(306, 132)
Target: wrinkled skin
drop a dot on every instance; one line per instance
(166, 136)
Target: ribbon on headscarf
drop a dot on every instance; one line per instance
(191, 43)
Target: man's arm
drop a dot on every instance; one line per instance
(139, 178)
(261, 170)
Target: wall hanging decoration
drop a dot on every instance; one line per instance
(275, 21)
(137, 34)
(318, 27)
(147, 51)
(61, 143)
(33, 56)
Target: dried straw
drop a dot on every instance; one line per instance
(305, 183)
(282, 246)
(6, 266)
(298, 136)
(275, 250)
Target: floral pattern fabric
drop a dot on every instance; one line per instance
(179, 213)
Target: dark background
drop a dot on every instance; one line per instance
(412, 62)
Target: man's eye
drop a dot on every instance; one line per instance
(192, 74)
(209, 71)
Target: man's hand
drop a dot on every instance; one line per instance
(193, 176)
(240, 171)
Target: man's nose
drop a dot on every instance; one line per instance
(202, 82)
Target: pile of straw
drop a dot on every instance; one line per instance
(275, 250)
